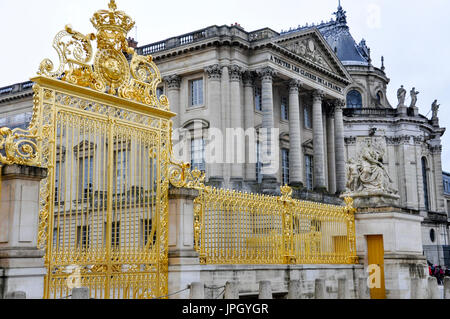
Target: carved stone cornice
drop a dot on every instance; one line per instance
(235, 72)
(418, 140)
(399, 140)
(173, 82)
(436, 149)
(214, 72)
(266, 74)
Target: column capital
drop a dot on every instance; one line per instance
(339, 104)
(318, 95)
(294, 85)
(266, 74)
(235, 72)
(214, 72)
(173, 81)
(248, 78)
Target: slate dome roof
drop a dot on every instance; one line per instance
(337, 33)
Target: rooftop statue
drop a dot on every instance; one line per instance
(414, 94)
(401, 95)
(435, 109)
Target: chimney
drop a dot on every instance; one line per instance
(132, 43)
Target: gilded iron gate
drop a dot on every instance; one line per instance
(105, 136)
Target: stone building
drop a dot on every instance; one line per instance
(317, 90)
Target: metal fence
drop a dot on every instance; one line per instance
(239, 228)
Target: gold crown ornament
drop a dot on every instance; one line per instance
(112, 26)
(109, 72)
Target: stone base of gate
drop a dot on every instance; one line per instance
(248, 277)
(403, 251)
(21, 263)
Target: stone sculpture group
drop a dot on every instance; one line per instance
(367, 173)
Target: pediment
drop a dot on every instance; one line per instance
(311, 47)
(309, 50)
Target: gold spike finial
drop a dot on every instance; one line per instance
(112, 5)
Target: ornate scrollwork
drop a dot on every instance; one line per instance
(19, 147)
(110, 72)
(180, 174)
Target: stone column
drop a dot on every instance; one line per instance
(237, 123)
(173, 94)
(331, 152)
(22, 263)
(269, 178)
(295, 137)
(184, 263)
(216, 135)
(436, 152)
(249, 123)
(319, 156)
(339, 146)
(225, 114)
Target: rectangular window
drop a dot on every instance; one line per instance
(55, 238)
(285, 166)
(196, 88)
(284, 109)
(258, 99)
(307, 117)
(258, 163)
(121, 171)
(198, 154)
(309, 170)
(146, 229)
(57, 180)
(115, 235)
(159, 92)
(83, 237)
(86, 173)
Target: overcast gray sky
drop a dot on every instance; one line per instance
(413, 35)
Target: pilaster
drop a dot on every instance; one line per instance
(339, 146)
(174, 85)
(214, 74)
(21, 262)
(249, 123)
(237, 169)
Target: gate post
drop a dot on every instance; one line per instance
(184, 262)
(288, 225)
(20, 259)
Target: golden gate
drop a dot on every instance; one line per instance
(104, 136)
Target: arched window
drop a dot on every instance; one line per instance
(379, 97)
(425, 183)
(354, 100)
